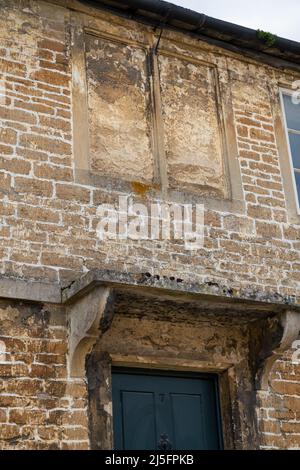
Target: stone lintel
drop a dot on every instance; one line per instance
(34, 291)
(176, 287)
(162, 286)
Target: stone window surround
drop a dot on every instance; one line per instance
(284, 91)
(83, 24)
(285, 158)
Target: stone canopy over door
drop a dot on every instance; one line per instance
(137, 324)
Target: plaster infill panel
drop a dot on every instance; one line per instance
(192, 129)
(119, 110)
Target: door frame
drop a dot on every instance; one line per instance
(184, 374)
(99, 372)
(227, 378)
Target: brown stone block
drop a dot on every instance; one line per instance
(51, 259)
(10, 114)
(51, 78)
(45, 64)
(24, 387)
(258, 212)
(29, 417)
(293, 428)
(9, 431)
(242, 131)
(249, 154)
(34, 186)
(248, 122)
(75, 433)
(271, 201)
(35, 107)
(266, 230)
(55, 123)
(5, 182)
(292, 403)
(15, 165)
(8, 136)
(7, 66)
(50, 433)
(286, 388)
(37, 213)
(13, 370)
(51, 45)
(269, 427)
(43, 170)
(56, 388)
(58, 359)
(71, 192)
(259, 134)
(291, 233)
(75, 445)
(38, 142)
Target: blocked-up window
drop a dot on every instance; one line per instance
(192, 130)
(292, 121)
(152, 119)
(119, 110)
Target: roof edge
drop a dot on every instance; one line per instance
(274, 50)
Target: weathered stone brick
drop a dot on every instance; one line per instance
(75, 433)
(291, 233)
(5, 182)
(242, 131)
(54, 46)
(33, 186)
(268, 231)
(54, 240)
(40, 143)
(258, 212)
(71, 192)
(19, 115)
(58, 173)
(9, 431)
(259, 134)
(15, 165)
(53, 78)
(37, 213)
(8, 136)
(249, 154)
(51, 259)
(29, 417)
(34, 107)
(11, 67)
(55, 123)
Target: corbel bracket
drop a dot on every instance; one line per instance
(290, 330)
(85, 320)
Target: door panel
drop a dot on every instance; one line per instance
(160, 410)
(187, 411)
(138, 420)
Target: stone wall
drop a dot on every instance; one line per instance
(49, 222)
(40, 407)
(48, 216)
(279, 414)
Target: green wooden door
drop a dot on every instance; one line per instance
(161, 411)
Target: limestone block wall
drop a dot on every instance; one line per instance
(49, 215)
(40, 407)
(48, 221)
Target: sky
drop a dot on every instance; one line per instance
(275, 16)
